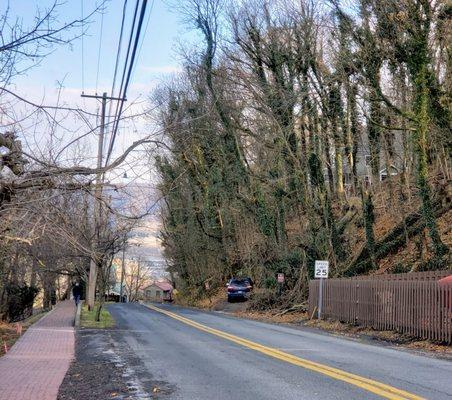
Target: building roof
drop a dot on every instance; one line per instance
(165, 286)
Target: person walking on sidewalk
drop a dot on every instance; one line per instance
(77, 292)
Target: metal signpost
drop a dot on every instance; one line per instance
(321, 271)
(280, 282)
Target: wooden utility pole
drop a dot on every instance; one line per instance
(122, 273)
(92, 280)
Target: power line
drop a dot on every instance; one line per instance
(144, 34)
(126, 62)
(118, 55)
(118, 52)
(100, 47)
(116, 118)
(123, 95)
(83, 46)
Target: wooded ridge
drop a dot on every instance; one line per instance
(296, 129)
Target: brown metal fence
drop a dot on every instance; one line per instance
(408, 276)
(418, 307)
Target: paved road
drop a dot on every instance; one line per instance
(253, 360)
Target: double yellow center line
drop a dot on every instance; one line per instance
(378, 388)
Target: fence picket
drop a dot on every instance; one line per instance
(416, 306)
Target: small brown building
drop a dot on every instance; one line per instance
(159, 291)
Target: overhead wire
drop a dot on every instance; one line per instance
(144, 34)
(100, 47)
(126, 84)
(118, 56)
(83, 45)
(126, 62)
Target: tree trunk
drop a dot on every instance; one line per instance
(388, 147)
(355, 135)
(422, 117)
(99, 309)
(33, 275)
(47, 300)
(369, 218)
(339, 171)
(328, 163)
(91, 295)
(374, 137)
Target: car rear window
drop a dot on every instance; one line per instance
(240, 282)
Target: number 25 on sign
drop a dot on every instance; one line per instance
(321, 269)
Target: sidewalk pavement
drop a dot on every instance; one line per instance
(36, 365)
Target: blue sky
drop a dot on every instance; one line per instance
(156, 58)
(156, 61)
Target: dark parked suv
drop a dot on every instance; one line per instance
(239, 288)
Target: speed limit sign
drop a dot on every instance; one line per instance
(321, 269)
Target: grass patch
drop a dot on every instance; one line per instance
(88, 318)
(9, 334)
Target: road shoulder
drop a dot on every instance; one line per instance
(94, 374)
(105, 367)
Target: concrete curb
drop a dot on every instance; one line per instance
(77, 315)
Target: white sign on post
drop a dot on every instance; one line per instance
(280, 278)
(321, 269)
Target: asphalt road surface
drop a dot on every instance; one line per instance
(200, 355)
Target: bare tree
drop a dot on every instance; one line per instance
(137, 276)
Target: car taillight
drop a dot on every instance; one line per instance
(249, 287)
(230, 288)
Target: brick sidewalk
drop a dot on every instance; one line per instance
(35, 366)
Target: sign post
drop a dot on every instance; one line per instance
(321, 271)
(280, 282)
